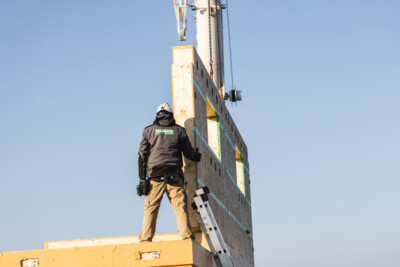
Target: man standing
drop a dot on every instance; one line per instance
(160, 160)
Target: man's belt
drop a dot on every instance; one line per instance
(168, 179)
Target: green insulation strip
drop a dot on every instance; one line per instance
(194, 129)
(219, 138)
(225, 208)
(244, 185)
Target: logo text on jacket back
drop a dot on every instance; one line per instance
(164, 131)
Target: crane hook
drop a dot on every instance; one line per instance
(180, 12)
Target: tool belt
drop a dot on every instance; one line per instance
(169, 179)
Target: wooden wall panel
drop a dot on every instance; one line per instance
(191, 87)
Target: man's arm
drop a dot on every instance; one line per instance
(144, 150)
(188, 150)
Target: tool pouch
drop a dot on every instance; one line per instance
(145, 187)
(138, 190)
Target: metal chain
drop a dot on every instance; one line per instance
(219, 51)
(209, 38)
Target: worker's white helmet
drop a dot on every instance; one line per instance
(166, 107)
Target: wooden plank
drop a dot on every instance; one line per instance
(106, 241)
(170, 253)
(184, 114)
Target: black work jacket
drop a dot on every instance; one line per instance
(161, 148)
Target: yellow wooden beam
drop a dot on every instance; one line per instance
(168, 253)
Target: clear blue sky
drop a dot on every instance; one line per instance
(79, 80)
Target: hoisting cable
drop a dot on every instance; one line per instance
(209, 38)
(229, 38)
(221, 84)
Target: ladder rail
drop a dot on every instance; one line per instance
(210, 227)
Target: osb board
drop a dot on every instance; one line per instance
(192, 86)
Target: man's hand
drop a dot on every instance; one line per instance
(197, 156)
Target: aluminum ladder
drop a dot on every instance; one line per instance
(209, 226)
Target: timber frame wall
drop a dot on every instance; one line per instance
(224, 167)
